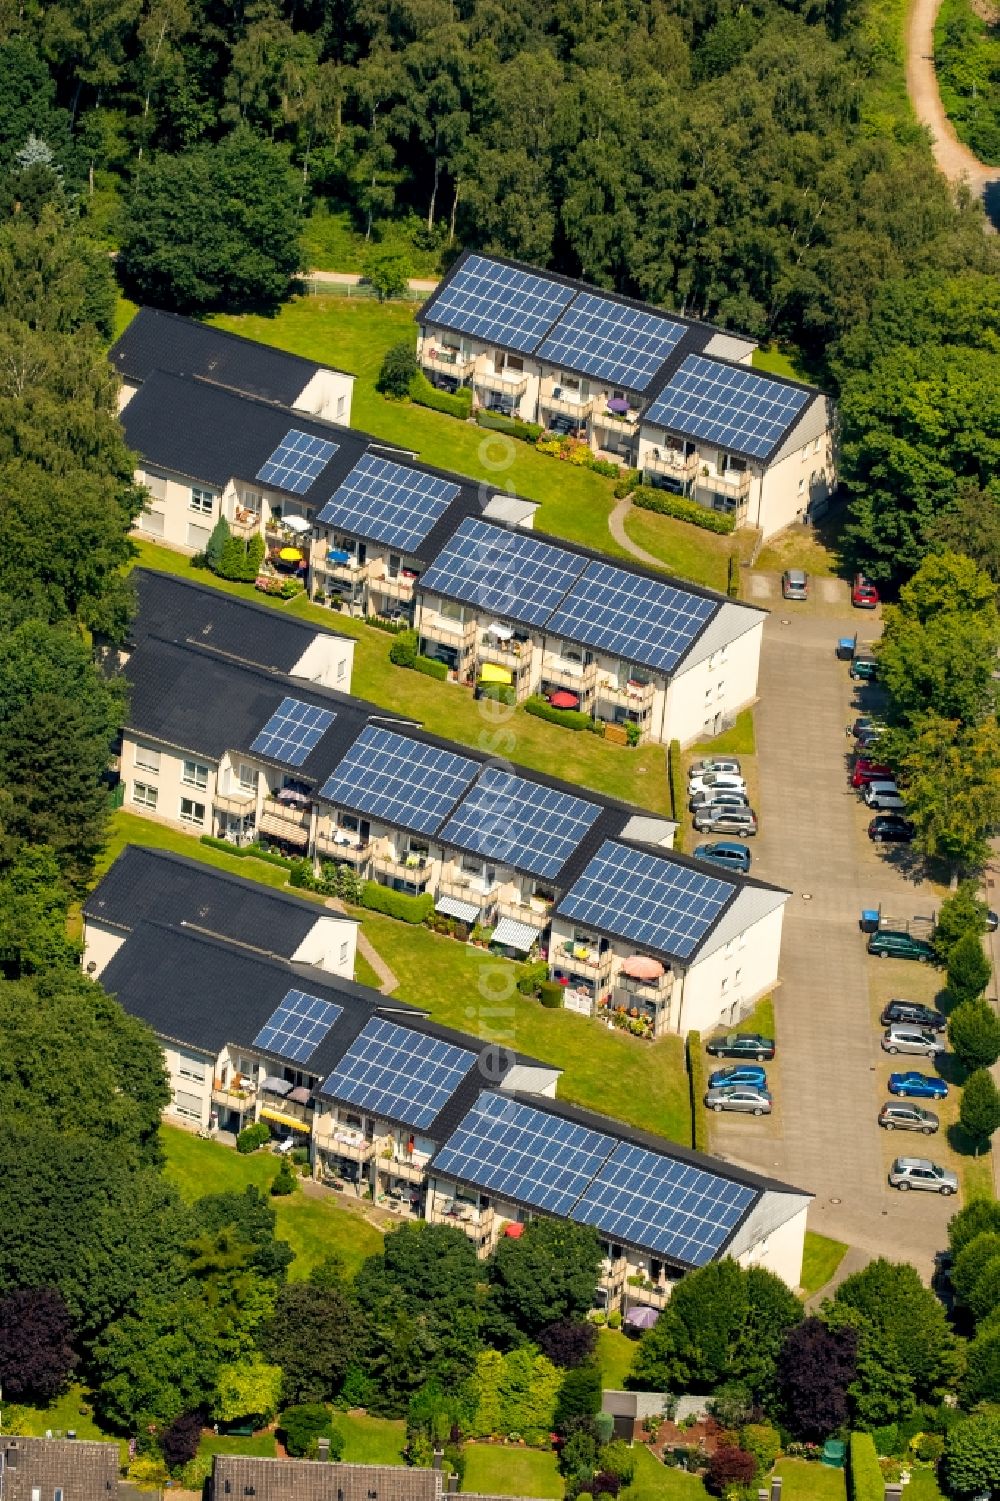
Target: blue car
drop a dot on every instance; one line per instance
(739, 1073)
(728, 852)
(917, 1086)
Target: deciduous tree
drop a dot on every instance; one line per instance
(971, 1461)
(36, 1344)
(816, 1367)
(546, 1275)
(313, 1336)
(974, 1033)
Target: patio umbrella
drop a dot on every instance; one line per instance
(642, 1318)
(297, 524)
(514, 1230)
(489, 673)
(500, 632)
(290, 555)
(564, 700)
(618, 405)
(337, 555)
(639, 967)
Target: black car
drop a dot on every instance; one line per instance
(891, 828)
(741, 1045)
(913, 1011)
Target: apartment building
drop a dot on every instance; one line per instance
(433, 1123)
(238, 1476)
(636, 934)
(58, 1469)
(155, 340)
(673, 397)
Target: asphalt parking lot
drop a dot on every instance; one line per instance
(829, 1075)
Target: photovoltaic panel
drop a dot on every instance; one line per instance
(499, 303)
(513, 1151)
(729, 405)
(298, 1026)
(502, 572)
(621, 345)
(296, 462)
(671, 1208)
(516, 822)
(388, 503)
(400, 780)
(647, 899)
(293, 730)
(400, 1074)
(639, 619)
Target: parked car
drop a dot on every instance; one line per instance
(917, 1086)
(794, 584)
(895, 1116)
(866, 724)
(913, 1011)
(864, 669)
(865, 770)
(891, 828)
(888, 944)
(722, 781)
(716, 818)
(740, 1045)
(717, 797)
(918, 1172)
(738, 1073)
(868, 739)
(864, 595)
(992, 921)
(727, 852)
(743, 1097)
(901, 1037)
(715, 763)
(884, 797)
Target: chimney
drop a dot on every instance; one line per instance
(775, 1488)
(453, 1485)
(438, 1458)
(323, 1449)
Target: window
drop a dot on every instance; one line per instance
(190, 1067)
(195, 775)
(202, 501)
(341, 670)
(156, 484)
(57, 1494)
(802, 484)
(197, 537)
(146, 758)
(192, 812)
(343, 952)
(152, 522)
(143, 795)
(449, 610)
(247, 777)
(340, 406)
(187, 1104)
(36, 1493)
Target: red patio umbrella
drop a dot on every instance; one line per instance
(564, 700)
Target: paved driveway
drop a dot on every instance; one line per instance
(812, 841)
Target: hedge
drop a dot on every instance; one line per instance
(696, 1084)
(411, 909)
(570, 719)
(628, 483)
(648, 499)
(865, 1481)
(431, 668)
(527, 432)
(550, 993)
(244, 851)
(502, 692)
(454, 404)
(678, 799)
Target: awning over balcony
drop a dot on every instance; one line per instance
(452, 907)
(284, 828)
(514, 935)
(280, 1119)
(489, 673)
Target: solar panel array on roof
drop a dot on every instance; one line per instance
(403, 781)
(298, 1026)
(403, 1075)
(734, 407)
(296, 462)
(646, 899)
(293, 730)
(517, 822)
(388, 502)
(504, 573)
(672, 1208)
(514, 1151)
(621, 345)
(497, 302)
(630, 616)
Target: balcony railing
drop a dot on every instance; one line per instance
(412, 1166)
(653, 991)
(245, 523)
(579, 411)
(573, 675)
(734, 485)
(454, 633)
(340, 847)
(618, 422)
(237, 800)
(465, 891)
(536, 916)
(515, 655)
(416, 874)
(671, 463)
(513, 386)
(399, 587)
(447, 361)
(234, 1097)
(582, 960)
(345, 1141)
(289, 813)
(351, 572)
(638, 697)
(463, 1216)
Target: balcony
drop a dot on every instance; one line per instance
(625, 423)
(477, 1223)
(234, 1095)
(534, 911)
(732, 486)
(634, 696)
(455, 633)
(581, 959)
(414, 870)
(577, 410)
(671, 464)
(410, 1166)
(345, 1141)
(290, 813)
(244, 523)
(468, 890)
(511, 386)
(514, 655)
(400, 587)
(566, 674)
(344, 847)
(350, 572)
(441, 360)
(238, 800)
(285, 821)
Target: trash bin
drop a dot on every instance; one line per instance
(845, 648)
(869, 920)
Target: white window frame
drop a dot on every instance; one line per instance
(191, 817)
(188, 1111)
(247, 777)
(341, 670)
(195, 774)
(202, 501)
(344, 948)
(153, 764)
(191, 1067)
(145, 796)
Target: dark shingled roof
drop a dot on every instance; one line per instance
(156, 885)
(81, 1469)
(237, 1476)
(180, 610)
(156, 340)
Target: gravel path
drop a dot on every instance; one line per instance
(616, 526)
(953, 159)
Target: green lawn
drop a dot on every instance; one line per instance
(778, 362)
(658, 1482)
(499, 1470)
(740, 740)
(313, 1227)
(923, 1485)
(820, 1260)
(363, 972)
(371, 1441)
(803, 1481)
(257, 1445)
(615, 1353)
(689, 551)
(130, 828)
(71, 1410)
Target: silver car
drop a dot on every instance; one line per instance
(901, 1115)
(714, 763)
(904, 1037)
(718, 799)
(918, 1172)
(716, 818)
(739, 1097)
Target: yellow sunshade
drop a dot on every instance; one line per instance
(490, 674)
(290, 555)
(267, 1114)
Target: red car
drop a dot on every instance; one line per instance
(866, 771)
(864, 596)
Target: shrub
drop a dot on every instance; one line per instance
(763, 1442)
(696, 1085)
(526, 432)
(240, 560)
(454, 404)
(864, 1478)
(733, 576)
(628, 483)
(678, 799)
(615, 1458)
(411, 909)
(928, 1447)
(607, 467)
(550, 993)
(387, 270)
(968, 969)
(403, 651)
(729, 1467)
(399, 366)
(252, 1137)
(284, 1180)
(531, 976)
(221, 534)
(959, 914)
(502, 692)
(886, 1439)
(247, 851)
(732, 1404)
(303, 1424)
(678, 506)
(180, 1439)
(568, 1343)
(431, 668)
(147, 1473)
(570, 719)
